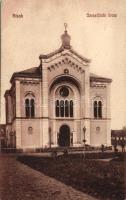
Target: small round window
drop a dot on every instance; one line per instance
(64, 92)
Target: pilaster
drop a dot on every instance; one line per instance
(85, 107)
(45, 106)
(18, 134)
(9, 109)
(18, 99)
(74, 134)
(108, 115)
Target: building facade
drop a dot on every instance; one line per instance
(3, 139)
(118, 139)
(58, 103)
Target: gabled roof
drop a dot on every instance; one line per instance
(80, 56)
(46, 56)
(42, 56)
(65, 46)
(34, 72)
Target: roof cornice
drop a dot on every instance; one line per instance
(63, 50)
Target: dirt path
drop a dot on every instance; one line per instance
(19, 182)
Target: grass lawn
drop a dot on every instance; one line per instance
(104, 180)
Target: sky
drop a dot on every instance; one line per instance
(101, 39)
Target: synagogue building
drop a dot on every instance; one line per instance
(59, 103)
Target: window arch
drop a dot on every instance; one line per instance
(32, 108)
(97, 109)
(57, 108)
(64, 97)
(64, 108)
(29, 108)
(100, 109)
(71, 108)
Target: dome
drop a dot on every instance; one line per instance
(66, 39)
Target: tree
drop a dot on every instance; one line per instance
(124, 128)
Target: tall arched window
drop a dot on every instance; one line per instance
(57, 108)
(27, 108)
(32, 108)
(100, 109)
(64, 102)
(62, 108)
(71, 108)
(97, 107)
(66, 108)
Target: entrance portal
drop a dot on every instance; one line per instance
(64, 136)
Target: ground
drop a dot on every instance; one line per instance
(20, 182)
(101, 175)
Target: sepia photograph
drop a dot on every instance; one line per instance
(63, 100)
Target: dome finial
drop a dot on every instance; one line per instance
(65, 25)
(66, 38)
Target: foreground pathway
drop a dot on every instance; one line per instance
(20, 182)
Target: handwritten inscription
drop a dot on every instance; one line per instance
(102, 15)
(14, 15)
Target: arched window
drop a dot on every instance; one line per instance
(27, 108)
(57, 108)
(66, 108)
(32, 108)
(100, 109)
(62, 108)
(95, 109)
(71, 108)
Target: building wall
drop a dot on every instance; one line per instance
(100, 128)
(8, 133)
(98, 91)
(80, 73)
(3, 138)
(98, 132)
(30, 88)
(34, 132)
(28, 130)
(30, 133)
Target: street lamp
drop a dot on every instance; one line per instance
(84, 140)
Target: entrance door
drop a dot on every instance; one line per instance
(64, 136)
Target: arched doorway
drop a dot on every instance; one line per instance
(64, 136)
